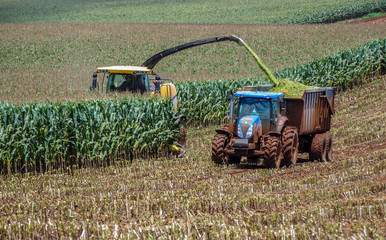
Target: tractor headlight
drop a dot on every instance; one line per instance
(240, 131)
(249, 132)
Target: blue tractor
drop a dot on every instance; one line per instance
(275, 128)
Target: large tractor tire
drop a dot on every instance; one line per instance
(318, 148)
(290, 139)
(328, 138)
(218, 147)
(272, 152)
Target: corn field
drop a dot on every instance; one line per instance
(344, 13)
(343, 69)
(51, 135)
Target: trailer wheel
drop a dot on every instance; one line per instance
(329, 154)
(318, 148)
(290, 139)
(272, 152)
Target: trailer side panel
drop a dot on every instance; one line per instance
(317, 110)
(294, 111)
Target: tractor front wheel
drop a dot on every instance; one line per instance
(272, 152)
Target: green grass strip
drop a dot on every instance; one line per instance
(341, 14)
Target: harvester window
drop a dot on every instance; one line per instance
(253, 106)
(118, 80)
(129, 82)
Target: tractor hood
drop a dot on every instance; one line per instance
(247, 125)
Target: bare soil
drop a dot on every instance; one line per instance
(374, 20)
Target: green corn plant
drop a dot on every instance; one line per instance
(39, 134)
(340, 14)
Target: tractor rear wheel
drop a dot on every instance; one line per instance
(219, 143)
(272, 152)
(218, 148)
(290, 140)
(328, 147)
(318, 148)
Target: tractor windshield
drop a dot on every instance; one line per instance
(254, 106)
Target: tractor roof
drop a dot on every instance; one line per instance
(125, 69)
(258, 94)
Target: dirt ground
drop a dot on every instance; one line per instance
(374, 20)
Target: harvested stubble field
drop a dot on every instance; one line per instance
(191, 197)
(55, 61)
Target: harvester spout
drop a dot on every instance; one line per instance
(259, 62)
(238, 40)
(151, 62)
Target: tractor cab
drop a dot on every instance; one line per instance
(255, 111)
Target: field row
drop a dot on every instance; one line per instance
(344, 13)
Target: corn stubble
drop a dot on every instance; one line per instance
(195, 199)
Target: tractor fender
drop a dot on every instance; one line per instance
(222, 131)
(274, 133)
(281, 123)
